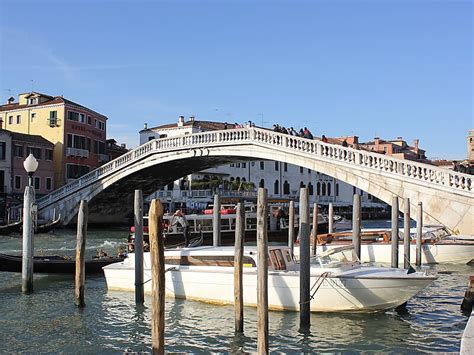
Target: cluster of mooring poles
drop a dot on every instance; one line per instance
(156, 212)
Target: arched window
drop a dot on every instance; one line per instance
(301, 184)
(310, 189)
(244, 180)
(276, 186)
(318, 188)
(323, 192)
(286, 187)
(329, 189)
(261, 183)
(232, 179)
(237, 179)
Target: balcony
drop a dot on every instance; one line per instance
(76, 152)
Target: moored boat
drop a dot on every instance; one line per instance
(340, 283)
(10, 228)
(438, 245)
(55, 264)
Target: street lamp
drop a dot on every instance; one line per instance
(30, 164)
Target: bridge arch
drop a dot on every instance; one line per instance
(447, 196)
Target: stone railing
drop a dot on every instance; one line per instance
(375, 162)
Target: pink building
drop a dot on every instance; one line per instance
(42, 149)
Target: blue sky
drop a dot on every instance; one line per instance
(370, 68)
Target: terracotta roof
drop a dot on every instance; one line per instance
(30, 138)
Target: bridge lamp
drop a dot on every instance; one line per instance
(31, 165)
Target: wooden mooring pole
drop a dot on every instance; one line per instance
(468, 301)
(238, 268)
(394, 234)
(262, 272)
(138, 219)
(330, 217)
(304, 260)
(356, 209)
(80, 253)
(419, 232)
(28, 243)
(216, 222)
(155, 217)
(315, 229)
(406, 234)
(291, 226)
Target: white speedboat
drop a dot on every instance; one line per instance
(438, 245)
(339, 283)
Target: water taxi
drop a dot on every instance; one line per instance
(339, 282)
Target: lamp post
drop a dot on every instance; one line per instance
(30, 164)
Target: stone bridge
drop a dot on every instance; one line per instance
(447, 196)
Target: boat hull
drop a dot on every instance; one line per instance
(55, 264)
(438, 253)
(351, 293)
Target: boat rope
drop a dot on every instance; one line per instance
(173, 268)
(316, 286)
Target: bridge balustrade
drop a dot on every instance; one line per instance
(324, 151)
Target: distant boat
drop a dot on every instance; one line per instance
(55, 264)
(10, 228)
(49, 226)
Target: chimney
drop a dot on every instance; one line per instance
(415, 144)
(145, 125)
(191, 118)
(181, 121)
(11, 100)
(377, 141)
(399, 138)
(123, 145)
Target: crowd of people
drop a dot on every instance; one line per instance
(303, 132)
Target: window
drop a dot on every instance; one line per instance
(75, 171)
(237, 165)
(89, 120)
(10, 119)
(354, 190)
(33, 115)
(33, 101)
(232, 165)
(18, 151)
(323, 188)
(285, 167)
(151, 138)
(310, 189)
(337, 189)
(301, 184)
(37, 182)
(49, 183)
(3, 147)
(301, 170)
(244, 165)
(262, 165)
(82, 118)
(261, 183)
(48, 154)
(17, 182)
(309, 171)
(170, 186)
(53, 118)
(74, 141)
(101, 125)
(318, 189)
(329, 189)
(18, 119)
(73, 116)
(276, 187)
(276, 166)
(286, 188)
(35, 151)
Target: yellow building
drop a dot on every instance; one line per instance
(77, 132)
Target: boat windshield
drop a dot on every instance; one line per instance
(335, 257)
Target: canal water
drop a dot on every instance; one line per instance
(48, 321)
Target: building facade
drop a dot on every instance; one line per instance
(77, 132)
(398, 148)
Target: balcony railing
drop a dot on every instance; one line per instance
(103, 157)
(76, 152)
